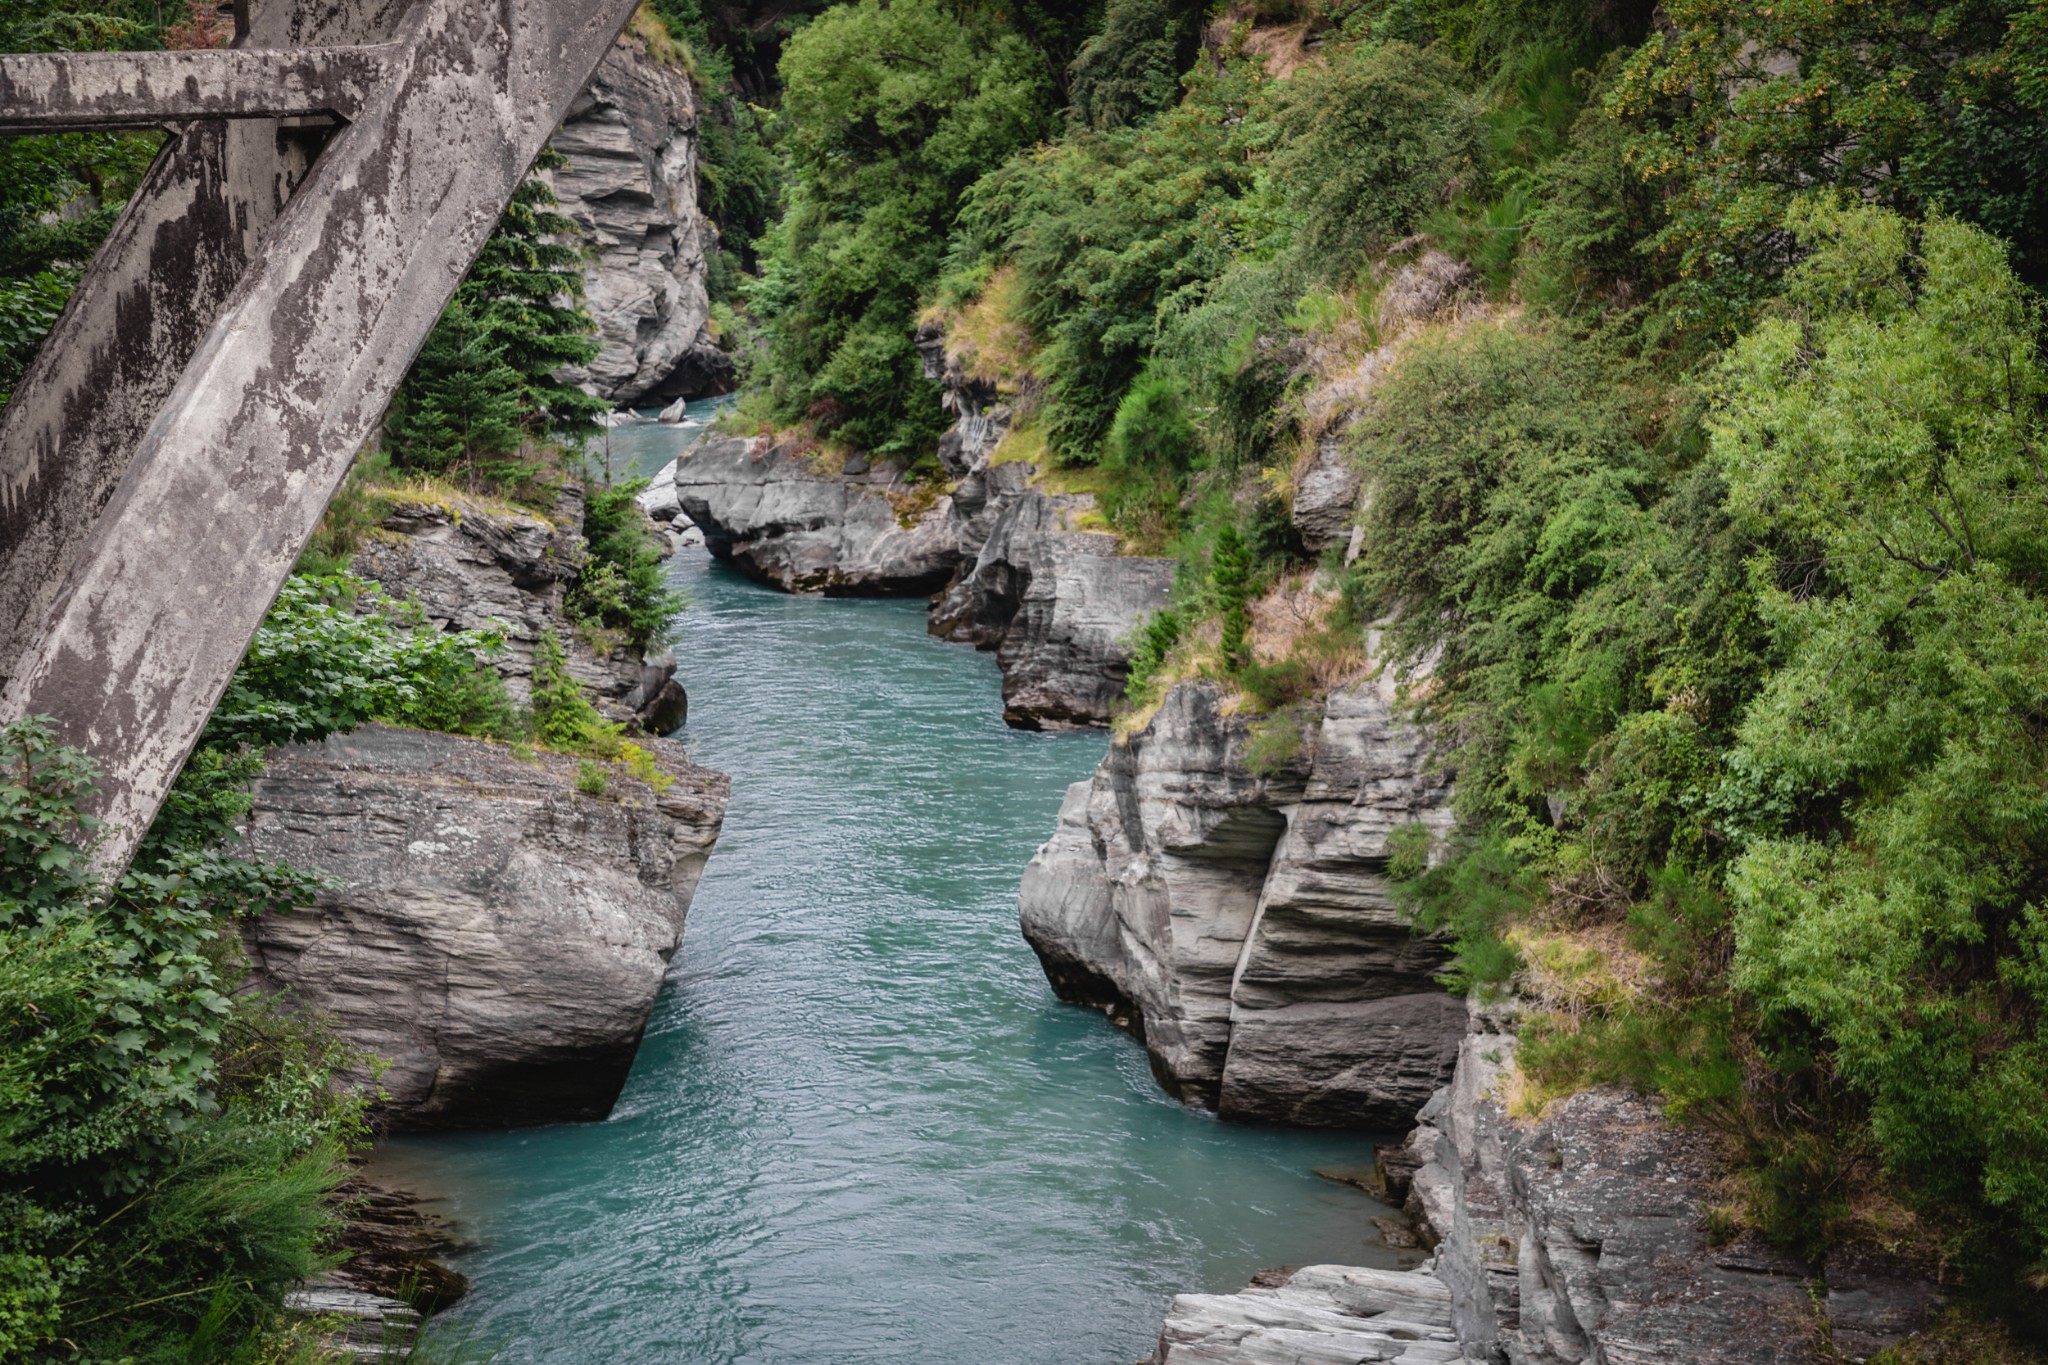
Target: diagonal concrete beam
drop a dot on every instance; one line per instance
(47, 92)
(231, 476)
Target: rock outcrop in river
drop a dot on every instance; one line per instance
(475, 565)
(1057, 605)
(631, 186)
(1242, 923)
(497, 935)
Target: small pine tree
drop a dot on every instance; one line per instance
(1230, 574)
(486, 378)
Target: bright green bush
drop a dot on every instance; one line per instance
(1885, 427)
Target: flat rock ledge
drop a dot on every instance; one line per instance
(1242, 924)
(496, 935)
(1318, 1315)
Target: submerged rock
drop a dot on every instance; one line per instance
(1243, 922)
(497, 935)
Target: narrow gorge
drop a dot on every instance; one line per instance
(1198, 682)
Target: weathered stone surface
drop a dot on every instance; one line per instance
(498, 936)
(1242, 923)
(1058, 606)
(1581, 1236)
(1318, 1315)
(765, 510)
(631, 186)
(473, 565)
(1326, 495)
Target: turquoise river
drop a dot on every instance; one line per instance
(861, 1129)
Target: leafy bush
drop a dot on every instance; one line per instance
(1376, 139)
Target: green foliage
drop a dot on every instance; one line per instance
(1915, 104)
(1131, 69)
(1155, 641)
(563, 717)
(591, 778)
(1375, 140)
(317, 667)
(165, 1150)
(622, 585)
(1885, 427)
(892, 112)
(1230, 583)
(485, 380)
(1468, 897)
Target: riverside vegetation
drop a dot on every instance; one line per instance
(1704, 522)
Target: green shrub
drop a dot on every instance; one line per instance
(623, 585)
(1375, 140)
(591, 778)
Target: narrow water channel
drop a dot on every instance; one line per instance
(860, 1128)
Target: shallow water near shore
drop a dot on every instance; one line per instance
(860, 1128)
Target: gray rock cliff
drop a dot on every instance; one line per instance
(864, 532)
(473, 565)
(497, 936)
(1057, 606)
(1576, 1238)
(631, 186)
(1242, 923)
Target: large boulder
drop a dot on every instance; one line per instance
(1242, 922)
(630, 185)
(864, 531)
(496, 935)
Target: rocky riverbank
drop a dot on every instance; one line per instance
(1578, 1235)
(498, 935)
(1242, 924)
(1012, 571)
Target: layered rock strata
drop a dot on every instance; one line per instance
(1576, 1238)
(1318, 1315)
(1056, 605)
(472, 565)
(865, 531)
(630, 185)
(1243, 924)
(495, 935)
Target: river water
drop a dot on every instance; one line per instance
(860, 1128)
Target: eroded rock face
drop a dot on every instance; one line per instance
(1582, 1236)
(1058, 606)
(1243, 923)
(866, 532)
(631, 186)
(498, 936)
(1318, 1315)
(476, 566)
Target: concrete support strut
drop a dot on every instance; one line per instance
(158, 481)
(48, 92)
